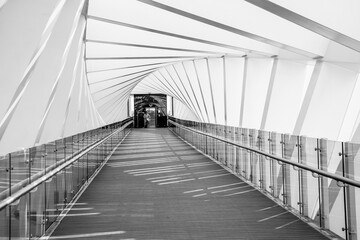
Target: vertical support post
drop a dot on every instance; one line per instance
(300, 177)
(287, 153)
(9, 207)
(351, 151)
(323, 188)
(283, 169)
(345, 192)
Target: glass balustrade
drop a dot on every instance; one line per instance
(29, 216)
(324, 201)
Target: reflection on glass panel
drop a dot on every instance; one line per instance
(277, 167)
(232, 149)
(75, 177)
(254, 163)
(36, 160)
(310, 184)
(37, 212)
(19, 217)
(68, 183)
(50, 158)
(69, 147)
(245, 156)
(4, 176)
(352, 170)
(331, 160)
(336, 213)
(52, 206)
(4, 223)
(291, 173)
(20, 170)
(238, 166)
(265, 146)
(262, 160)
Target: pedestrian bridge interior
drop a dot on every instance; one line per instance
(253, 131)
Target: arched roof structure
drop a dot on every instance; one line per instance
(285, 66)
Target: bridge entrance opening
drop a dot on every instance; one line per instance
(152, 104)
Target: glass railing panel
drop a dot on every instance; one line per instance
(203, 137)
(267, 162)
(332, 160)
(310, 184)
(254, 158)
(262, 140)
(75, 139)
(231, 149)
(215, 142)
(292, 180)
(50, 158)
(277, 181)
(52, 204)
(4, 175)
(222, 145)
(83, 167)
(212, 141)
(60, 151)
(68, 147)
(37, 214)
(37, 160)
(92, 159)
(217, 146)
(334, 210)
(69, 194)
(19, 218)
(4, 223)
(20, 167)
(352, 154)
(75, 177)
(238, 152)
(60, 191)
(245, 154)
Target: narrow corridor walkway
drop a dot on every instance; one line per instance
(157, 187)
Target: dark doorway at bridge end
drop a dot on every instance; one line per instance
(153, 104)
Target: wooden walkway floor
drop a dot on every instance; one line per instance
(157, 187)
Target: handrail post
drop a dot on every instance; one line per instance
(350, 154)
(323, 184)
(9, 207)
(344, 167)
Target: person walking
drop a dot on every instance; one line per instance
(147, 119)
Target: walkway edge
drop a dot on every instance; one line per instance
(321, 231)
(64, 212)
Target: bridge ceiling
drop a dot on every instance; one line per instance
(165, 46)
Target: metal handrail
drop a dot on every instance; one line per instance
(299, 165)
(65, 163)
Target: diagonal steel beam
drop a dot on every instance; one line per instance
(217, 44)
(154, 47)
(140, 57)
(121, 76)
(201, 91)
(229, 28)
(307, 23)
(193, 92)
